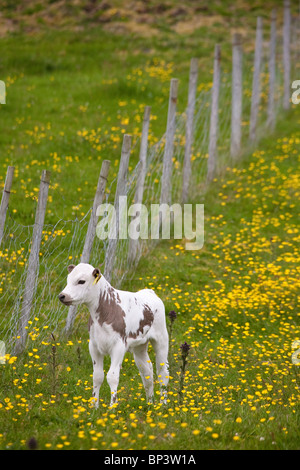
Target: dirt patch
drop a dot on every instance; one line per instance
(6, 26)
(131, 27)
(141, 17)
(188, 26)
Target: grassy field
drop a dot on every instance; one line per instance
(236, 304)
(71, 94)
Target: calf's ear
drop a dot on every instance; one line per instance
(96, 273)
(71, 267)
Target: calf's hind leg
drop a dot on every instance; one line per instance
(161, 348)
(144, 365)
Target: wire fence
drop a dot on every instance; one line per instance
(63, 243)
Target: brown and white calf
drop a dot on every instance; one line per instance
(120, 321)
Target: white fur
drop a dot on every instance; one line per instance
(104, 339)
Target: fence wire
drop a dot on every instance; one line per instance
(62, 243)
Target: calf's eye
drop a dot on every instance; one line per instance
(81, 282)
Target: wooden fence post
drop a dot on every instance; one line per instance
(33, 262)
(2, 92)
(255, 100)
(272, 73)
(139, 192)
(286, 55)
(166, 186)
(90, 235)
(189, 129)
(213, 132)
(91, 231)
(120, 191)
(138, 197)
(5, 199)
(236, 96)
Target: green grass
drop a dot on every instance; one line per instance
(78, 79)
(236, 303)
(236, 299)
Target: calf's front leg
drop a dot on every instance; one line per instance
(98, 373)
(113, 374)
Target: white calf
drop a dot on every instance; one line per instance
(120, 321)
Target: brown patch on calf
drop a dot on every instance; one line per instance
(147, 320)
(110, 311)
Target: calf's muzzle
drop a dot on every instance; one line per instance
(65, 298)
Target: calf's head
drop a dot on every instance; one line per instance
(80, 286)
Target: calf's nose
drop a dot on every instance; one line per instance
(61, 297)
